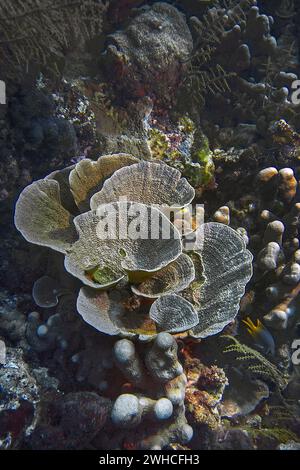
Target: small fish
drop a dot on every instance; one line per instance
(262, 337)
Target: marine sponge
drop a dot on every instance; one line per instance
(141, 284)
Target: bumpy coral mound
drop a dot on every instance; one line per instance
(152, 51)
(135, 282)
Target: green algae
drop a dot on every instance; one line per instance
(104, 275)
(158, 144)
(192, 156)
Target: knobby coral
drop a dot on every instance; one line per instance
(188, 281)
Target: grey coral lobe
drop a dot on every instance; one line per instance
(227, 266)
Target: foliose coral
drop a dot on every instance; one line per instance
(127, 290)
(142, 364)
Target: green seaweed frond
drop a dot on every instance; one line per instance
(258, 364)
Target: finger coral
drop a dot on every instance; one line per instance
(157, 396)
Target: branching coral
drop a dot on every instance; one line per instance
(278, 259)
(203, 82)
(213, 31)
(244, 71)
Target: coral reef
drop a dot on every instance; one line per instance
(242, 67)
(20, 395)
(72, 422)
(30, 132)
(184, 115)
